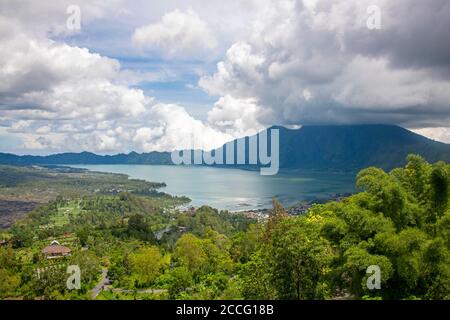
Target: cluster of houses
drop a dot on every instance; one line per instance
(299, 209)
(189, 210)
(259, 215)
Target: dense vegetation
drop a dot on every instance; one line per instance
(400, 222)
(22, 188)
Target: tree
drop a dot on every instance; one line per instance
(436, 270)
(244, 244)
(137, 223)
(299, 257)
(204, 219)
(22, 236)
(439, 181)
(9, 283)
(443, 228)
(277, 215)
(387, 197)
(83, 235)
(189, 253)
(139, 228)
(89, 265)
(255, 277)
(416, 174)
(357, 260)
(146, 265)
(9, 279)
(180, 279)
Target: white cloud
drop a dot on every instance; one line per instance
(241, 64)
(44, 129)
(439, 134)
(58, 97)
(177, 34)
(238, 117)
(176, 129)
(20, 126)
(106, 142)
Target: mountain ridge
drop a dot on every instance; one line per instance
(336, 147)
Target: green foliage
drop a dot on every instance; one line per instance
(179, 280)
(255, 277)
(138, 228)
(357, 260)
(439, 182)
(9, 278)
(299, 257)
(205, 219)
(89, 265)
(146, 264)
(400, 224)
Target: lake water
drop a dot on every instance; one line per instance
(234, 189)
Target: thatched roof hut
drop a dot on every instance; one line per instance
(55, 250)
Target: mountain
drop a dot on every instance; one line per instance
(346, 147)
(354, 147)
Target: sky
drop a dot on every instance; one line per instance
(120, 76)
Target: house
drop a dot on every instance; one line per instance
(55, 250)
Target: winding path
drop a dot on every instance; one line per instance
(104, 282)
(99, 287)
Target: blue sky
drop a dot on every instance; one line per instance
(178, 77)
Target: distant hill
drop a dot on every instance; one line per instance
(349, 147)
(87, 158)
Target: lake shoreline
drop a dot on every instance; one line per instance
(235, 189)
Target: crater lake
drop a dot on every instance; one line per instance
(236, 189)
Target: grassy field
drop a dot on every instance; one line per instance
(64, 214)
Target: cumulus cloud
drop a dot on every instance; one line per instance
(237, 116)
(58, 97)
(175, 127)
(178, 33)
(45, 80)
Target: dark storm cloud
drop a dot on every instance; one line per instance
(313, 62)
(413, 34)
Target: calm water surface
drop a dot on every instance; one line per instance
(235, 189)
